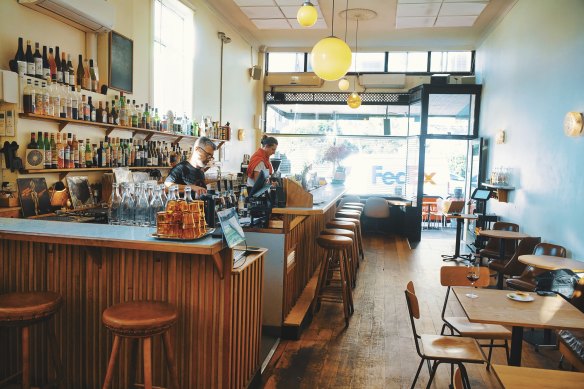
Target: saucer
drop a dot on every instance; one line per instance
(520, 296)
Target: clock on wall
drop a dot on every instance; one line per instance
(573, 124)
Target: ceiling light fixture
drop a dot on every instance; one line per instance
(307, 14)
(331, 57)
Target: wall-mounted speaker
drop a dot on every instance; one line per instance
(255, 72)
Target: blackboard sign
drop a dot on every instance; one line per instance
(121, 62)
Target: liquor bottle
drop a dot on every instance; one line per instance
(45, 98)
(52, 65)
(156, 120)
(71, 70)
(75, 151)
(138, 116)
(49, 95)
(69, 101)
(88, 154)
(106, 113)
(80, 104)
(63, 102)
(67, 162)
(92, 115)
(80, 72)
(38, 97)
(58, 66)
(46, 65)
(55, 99)
(60, 151)
(38, 61)
(99, 113)
(123, 115)
(81, 155)
(100, 155)
(74, 104)
(28, 97)
(21, 59)
(30, 68)
(114, 114)
(33, 143)
(64, 69)
(54, 153)
(86, 77)
(108, 152)
(94, 155)
(134, 114)
(46, 146)
(86, 112)
(92, 76)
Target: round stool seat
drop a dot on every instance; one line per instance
(140, 318)
(334, 241)
(351, 208)
(348, 214)
(23, 308)
(340, 224)
(339, 232)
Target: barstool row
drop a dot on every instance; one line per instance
(343, 248)
(136, 320)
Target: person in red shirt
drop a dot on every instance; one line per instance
(260, 160)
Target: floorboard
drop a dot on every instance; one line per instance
(377, 349)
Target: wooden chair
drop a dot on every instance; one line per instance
(513, 267)
(491, 250)
(141, 320)
(430, 210)
(456, 276)
(526, 280)
(23, 310)
(457, 379)
(441, 349)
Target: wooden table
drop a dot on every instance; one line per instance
(492, 306)
(459, 222)
(512, 377)
(503, 236)
(550, 262)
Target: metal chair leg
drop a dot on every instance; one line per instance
(490, 353)
(418, 373)
(464, 376)
(432, 374)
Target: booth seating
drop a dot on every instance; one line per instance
(141, 320)
(513, 267)
(353, 259)
(334, 275)
(526, 280)
(24, 309)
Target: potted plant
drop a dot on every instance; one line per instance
(335, 154)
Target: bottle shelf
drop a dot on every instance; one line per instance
(63, 172)
(108, 128)
(501, 191)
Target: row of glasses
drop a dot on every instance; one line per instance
(136, 204)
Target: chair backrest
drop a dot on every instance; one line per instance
(526, 246)
(493, 243)
(506, 226)
(550, 249)
(350, 199)
(376, 207)
(414, 312)
(453, 206)
(458, 379)
(456, 276)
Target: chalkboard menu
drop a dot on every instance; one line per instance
(121, 62)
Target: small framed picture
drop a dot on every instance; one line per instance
(34, 196)
(81, 196)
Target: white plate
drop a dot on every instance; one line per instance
(520, 297)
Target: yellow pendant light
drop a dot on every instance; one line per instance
(331, 57)
(344, 84)
(307, 14)
(354, 100)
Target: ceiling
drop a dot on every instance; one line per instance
(272, 23)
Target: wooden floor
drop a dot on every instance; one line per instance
(377, 349)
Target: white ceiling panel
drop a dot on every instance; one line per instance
(291, 11)
(319, 25)
(462, 9)
(271, 24)
(262, 12)
(455, 21)
(254, 3)
(430, 9)
(414, 22)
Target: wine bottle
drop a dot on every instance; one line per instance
(81, 154)
(33, 144)
(86, 78)
(99, 113)
(46, 65)
(80, 73)
(88, 154)
(30, 68)
(70, 70)
(92, 115)
(54, 153)
(100, 156)
(38, 61)
(52, 65)
(20, 59)
(92, 76)
(64, 68)
(58, 66)
(74, 104)
(75, 151)
(47, 149)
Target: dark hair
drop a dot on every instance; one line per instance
(268, 140)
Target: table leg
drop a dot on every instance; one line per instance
(500, 276)
(516, 343)
(459, 223)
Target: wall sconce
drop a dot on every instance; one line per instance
(500, 137)
(573, 124)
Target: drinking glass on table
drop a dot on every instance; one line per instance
(473, 272)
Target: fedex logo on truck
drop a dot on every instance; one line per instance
(387, 177)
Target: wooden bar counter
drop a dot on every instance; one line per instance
(218, 333)
(292, 261)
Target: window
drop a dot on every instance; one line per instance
(409, 62)
(173, 56)
(451, 61)
(451, 114)
(368, 62)
(285, 62)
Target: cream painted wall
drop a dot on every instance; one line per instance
(532, 70)
(134, 20)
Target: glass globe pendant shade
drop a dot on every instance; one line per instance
(307, 14)
(331, 58)
(343, 84)
(354, 100)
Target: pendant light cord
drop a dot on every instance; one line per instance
(333, 20)
(356, 53)
(346, 19)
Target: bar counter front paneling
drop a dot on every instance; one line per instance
(292, 260)
(218, 334)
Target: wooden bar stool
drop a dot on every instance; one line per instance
(141, 320)
(328, 288)
(349, 226)
(356, 220)
(23, 309)
(350, 208)
(354, 204)
(354, 257)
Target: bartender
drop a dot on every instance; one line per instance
(191, 173)
(260, 160)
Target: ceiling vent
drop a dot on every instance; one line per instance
(382, 80)
(87, 15)
(293, 79)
